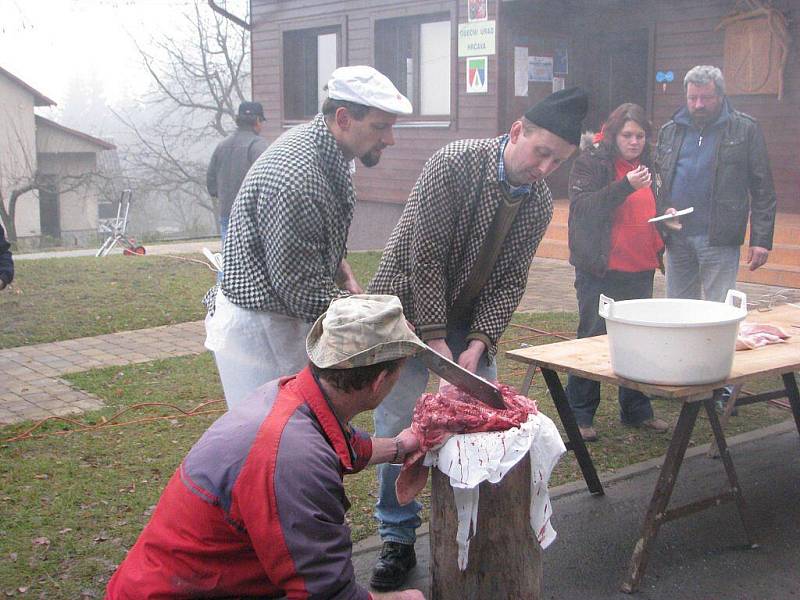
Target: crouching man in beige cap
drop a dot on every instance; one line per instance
(257, 507)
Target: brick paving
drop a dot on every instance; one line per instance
(30, 382)
(550, 287)
(31, 386)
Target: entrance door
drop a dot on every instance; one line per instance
(50, 213)
(622, 72)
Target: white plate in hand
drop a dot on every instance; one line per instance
(679, 213)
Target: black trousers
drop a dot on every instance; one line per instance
(584, 394)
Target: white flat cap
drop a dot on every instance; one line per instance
(364, 85)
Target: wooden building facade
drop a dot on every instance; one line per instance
(620, 50)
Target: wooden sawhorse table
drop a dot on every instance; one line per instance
(589, 358)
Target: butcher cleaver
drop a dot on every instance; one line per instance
(461, 378)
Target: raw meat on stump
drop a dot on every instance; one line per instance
(452, 411)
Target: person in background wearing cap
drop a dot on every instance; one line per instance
(233, 157)
(459, 259)
(257, 508)
(284, 255)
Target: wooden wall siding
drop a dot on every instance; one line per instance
(685, 37)
(391, 181)
(682, 34)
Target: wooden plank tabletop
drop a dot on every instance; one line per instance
(589, 357)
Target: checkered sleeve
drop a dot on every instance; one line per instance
(292, 234)
(503, 291)
(437, 195)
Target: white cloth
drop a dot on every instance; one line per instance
(472, 458)
(252, 347)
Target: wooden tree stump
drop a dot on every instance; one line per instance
(504, 555)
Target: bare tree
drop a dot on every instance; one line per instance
(199, 77)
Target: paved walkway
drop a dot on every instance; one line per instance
(30, 383)
(187, 247)
(550, 287)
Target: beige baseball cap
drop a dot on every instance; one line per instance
(364, 85)
(361, 330)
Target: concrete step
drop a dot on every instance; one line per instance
(773, 273)
(553, 248)
(782, 254)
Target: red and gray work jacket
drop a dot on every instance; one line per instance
(257, 508)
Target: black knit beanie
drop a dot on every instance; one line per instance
(562, 113)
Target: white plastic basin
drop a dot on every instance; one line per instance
(673, 342)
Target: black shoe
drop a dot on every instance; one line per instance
(392, 568)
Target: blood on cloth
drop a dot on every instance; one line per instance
(453, 411)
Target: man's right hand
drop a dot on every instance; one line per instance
(401, 595)
(673, 224)
(440, 346)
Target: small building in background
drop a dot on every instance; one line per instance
(59, 165)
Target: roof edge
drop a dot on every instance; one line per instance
(39, 99)
(79, 134)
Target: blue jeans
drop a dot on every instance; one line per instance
(584, 394)
(692, 267)
(396, 522)
(223, 231)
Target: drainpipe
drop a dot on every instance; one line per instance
(240, 22)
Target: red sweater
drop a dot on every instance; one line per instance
(635, 243)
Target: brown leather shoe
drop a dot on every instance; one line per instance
(656, 424)
(589, 434)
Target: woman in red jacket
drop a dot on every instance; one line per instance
(613, 248)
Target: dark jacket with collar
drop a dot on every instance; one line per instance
(742, 180)
(593, 199)
(230, 162)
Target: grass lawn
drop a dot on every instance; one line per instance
(73, 504)
(86, 296)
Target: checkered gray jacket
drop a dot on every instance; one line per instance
(434, 246)
(288, 227)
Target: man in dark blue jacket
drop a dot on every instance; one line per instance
(233, 158)
(6, 262)
(714, 159)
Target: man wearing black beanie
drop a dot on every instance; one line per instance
(459, 259)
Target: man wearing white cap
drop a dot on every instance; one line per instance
(284, 254)
(257, 508)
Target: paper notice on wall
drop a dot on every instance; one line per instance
(540, 68)
(558, 83)
(520, 71)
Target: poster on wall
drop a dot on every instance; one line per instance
(540, 68)
(520, 71)
(561, 61)
(477, 75)
(558, 84)
(477, 10)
